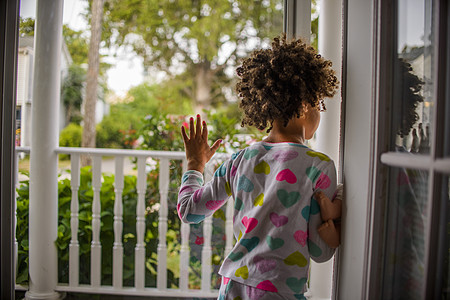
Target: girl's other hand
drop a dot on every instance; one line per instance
(198, 152)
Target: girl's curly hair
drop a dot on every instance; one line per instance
(276, 83)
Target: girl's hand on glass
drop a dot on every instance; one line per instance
(198, 152)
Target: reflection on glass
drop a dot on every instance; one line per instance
(413, 77)
(404, 260)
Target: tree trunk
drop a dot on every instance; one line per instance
(203, 82)
(88, 138)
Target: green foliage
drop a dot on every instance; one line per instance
(224, 126)
(118, 129)
(206, 26)
(314, 24)
(107, 196)
(165, 136)
(111, 133)
(26, 26)
(78, 45)
(70, 136)
(161, 132)
(164, 98)
(22, 204)
(72, 93)
(196, 40)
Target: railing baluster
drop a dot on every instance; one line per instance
(118, 225)
(162, 226)
(139, 257)
(74, 247)
(96, 247)
(229, 226)
(184, 251)
(207, 231)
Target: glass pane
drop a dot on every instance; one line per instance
(404, 245)
(445, 293)
(413, 77)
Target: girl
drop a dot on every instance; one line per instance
(276, 217)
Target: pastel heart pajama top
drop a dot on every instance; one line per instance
(275, 217)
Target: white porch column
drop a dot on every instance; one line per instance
(328, 133)
(43, 218)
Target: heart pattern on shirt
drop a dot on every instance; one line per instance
(287, 175)
(288, 198)
(267, 285)
(278, 220)
(235, 256)
(249, 154)
(214, 204)
(301, 236)
(245, 184)
(228, 188)
(314, 250)
(321, 156)
(195, 218)
(264, 264)
(259, 200)
(283, 155)
(262, 168)
(249, 223)
(250, 244)
(296, 259)
(242, 272)
(323, 182)
(296, 284)
(197, 195)
(221, 171)
(238, 204)
(313, 173)
(274, 243)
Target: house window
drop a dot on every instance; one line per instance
(413, 202)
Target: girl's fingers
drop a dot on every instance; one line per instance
(183, 134)
(198, 126)
(215, 146)
(205, 131)
(191, 128)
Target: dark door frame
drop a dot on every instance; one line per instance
(9, 20)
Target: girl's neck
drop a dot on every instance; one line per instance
(292, 133)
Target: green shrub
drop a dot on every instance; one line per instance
(70, 136)
(111, 133)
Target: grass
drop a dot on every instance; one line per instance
(24, 164)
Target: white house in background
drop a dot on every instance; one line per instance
(25, 73)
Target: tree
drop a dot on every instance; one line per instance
(72, 93)
(199, 38)
(88, 138)
(26, 27)
(78, 45)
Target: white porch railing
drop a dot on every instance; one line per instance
(139, 288)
